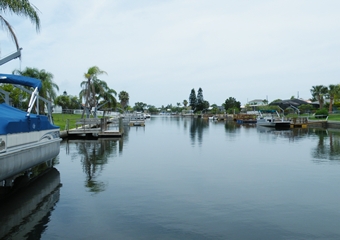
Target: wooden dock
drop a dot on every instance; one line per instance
(96, 127)
(245, 118)
(134, 119)
(300, 122)
(137, 123)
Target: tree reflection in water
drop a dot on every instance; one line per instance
(328, 147)
(196, 129)
(328, 144)
(94, 156)
(231, 126)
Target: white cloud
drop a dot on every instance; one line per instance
(158, 51)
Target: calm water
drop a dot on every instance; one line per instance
(182, 178)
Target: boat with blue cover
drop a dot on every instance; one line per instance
(26, 139)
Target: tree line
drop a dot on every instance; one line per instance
(94, 92)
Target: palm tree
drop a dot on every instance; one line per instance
(185, 103)
(104, 94)
(318, 92)
(123, 98)
(89, 92)
(333, 91)
(48, 90)
(21, 8)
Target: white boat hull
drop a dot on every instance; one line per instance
(26, 139)
(274, 124)
(271, 118)
(22, 152)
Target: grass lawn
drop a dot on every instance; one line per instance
(334, 117)
(60, 120)
(331, 117)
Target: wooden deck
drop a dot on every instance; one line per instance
(134, 119)
(95, 127)
(300, 122)
(137, 123)
(245, 118)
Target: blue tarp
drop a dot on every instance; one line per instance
(20, 80)
(13, 120)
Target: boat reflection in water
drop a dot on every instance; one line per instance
(25, 213)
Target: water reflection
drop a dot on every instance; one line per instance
(94, 155)
(25, 214)
(197, 127)
(328, 145)
(231, 126)
(293, 134)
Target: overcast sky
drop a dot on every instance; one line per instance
(158, 50)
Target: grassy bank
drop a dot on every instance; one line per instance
(334, 117)
(60, 120)
(331, 117)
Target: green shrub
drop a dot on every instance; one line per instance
(321, 113)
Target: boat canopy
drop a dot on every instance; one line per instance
(20, 80)
(14, 120)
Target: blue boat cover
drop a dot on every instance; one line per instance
(13, 120)
(20, 80)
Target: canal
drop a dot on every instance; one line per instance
(185, 178)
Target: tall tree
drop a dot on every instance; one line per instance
(231, 103)
(67, 102)
(333, 91)
(192, 99)
(124, 98)
(206, 104)
(200, 100)
(89, 92)
(318, 92)
(105, 96)
(49, 88)
(20, 8)
(140, 106)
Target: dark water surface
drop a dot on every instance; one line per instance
(183, 178)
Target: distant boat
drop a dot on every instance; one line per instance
(188, 113)
(271, 118)
(26, 139)
(213, 118)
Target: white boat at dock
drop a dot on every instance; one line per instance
(26, 139)
(271, 118)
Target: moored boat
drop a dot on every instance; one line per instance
(271, 118)
(26, 139)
